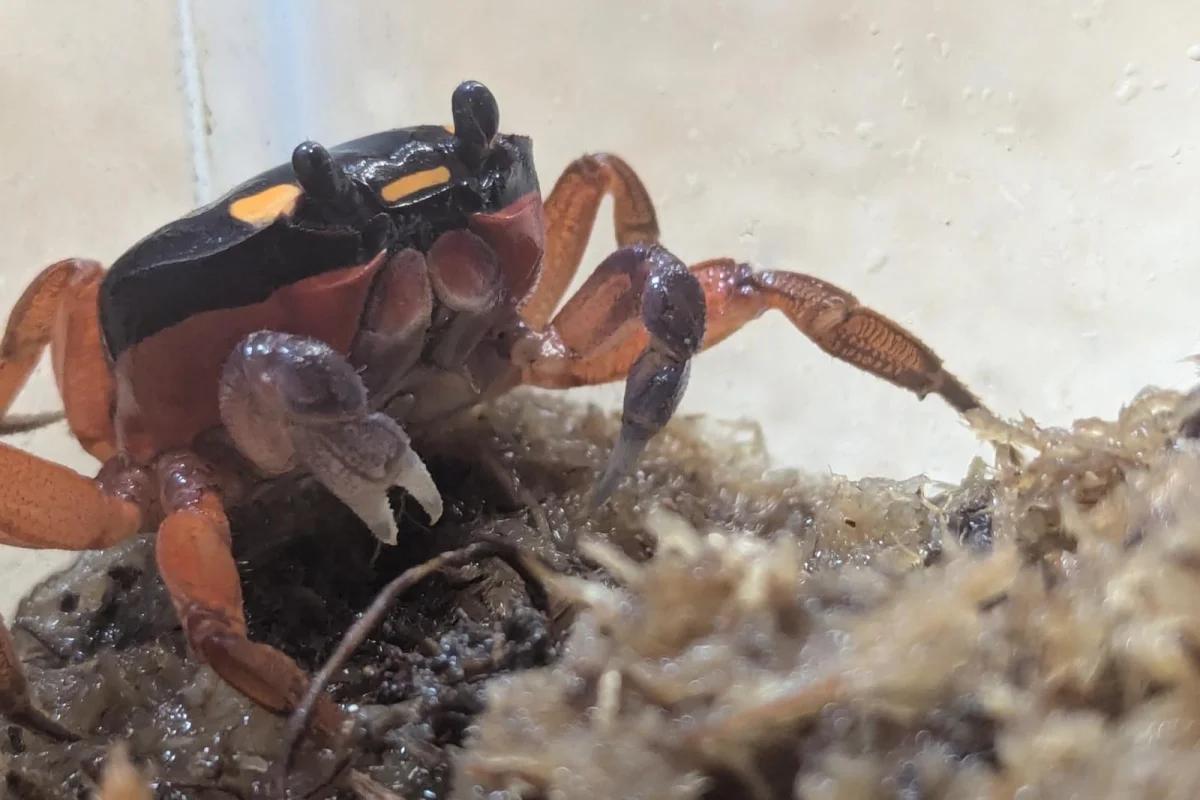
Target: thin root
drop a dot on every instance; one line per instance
(23, 423)
(522, 563)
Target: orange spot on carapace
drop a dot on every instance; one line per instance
(411, 184)
(264, 207)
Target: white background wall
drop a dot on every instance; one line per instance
(1015, 181)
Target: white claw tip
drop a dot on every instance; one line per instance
(414, 478)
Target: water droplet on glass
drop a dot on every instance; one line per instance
(749, 232)
(1127, 90)
(876, 261)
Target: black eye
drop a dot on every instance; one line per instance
(476, 119)
(322, 178)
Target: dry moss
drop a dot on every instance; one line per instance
(1057, 656)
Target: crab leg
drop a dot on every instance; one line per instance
(833, 319)
(734, 295)
(635, 317)
(570, 213)
(643, 309)
(60, 308)
(44, 505)
(197, 566)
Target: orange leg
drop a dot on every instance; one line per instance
(198, 568)
(596, 337)
(637, 317)
(570, 213)
(44, 505)
(60, 308)
(834, 320)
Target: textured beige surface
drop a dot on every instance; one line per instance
(1003, 178)
(1013, 181)
(92, 151)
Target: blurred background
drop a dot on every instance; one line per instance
(1015, 182)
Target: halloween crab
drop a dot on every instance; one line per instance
(318, 314)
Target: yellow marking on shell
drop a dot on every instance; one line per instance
(411, 184)
(263, 208)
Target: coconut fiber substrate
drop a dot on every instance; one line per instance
(718, 630)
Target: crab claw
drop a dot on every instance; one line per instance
(414, 478)
(289, 401)
(358, 462)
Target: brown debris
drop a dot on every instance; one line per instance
(121, 780)
(1058, 657)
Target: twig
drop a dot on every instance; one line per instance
(22, 423)
(368, 788)
(517, 491)
(487, 546)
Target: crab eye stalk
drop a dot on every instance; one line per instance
(476, 118)
(321, 177)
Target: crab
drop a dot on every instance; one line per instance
(319, 314)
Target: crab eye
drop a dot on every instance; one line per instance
(476, 118)
(322, 178)
(326, 183)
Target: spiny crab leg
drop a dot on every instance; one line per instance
(571, 210)
(196, 564)
(45, 505)
(59, 309)
(641, 315)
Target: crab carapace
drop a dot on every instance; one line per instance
(316, 315)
